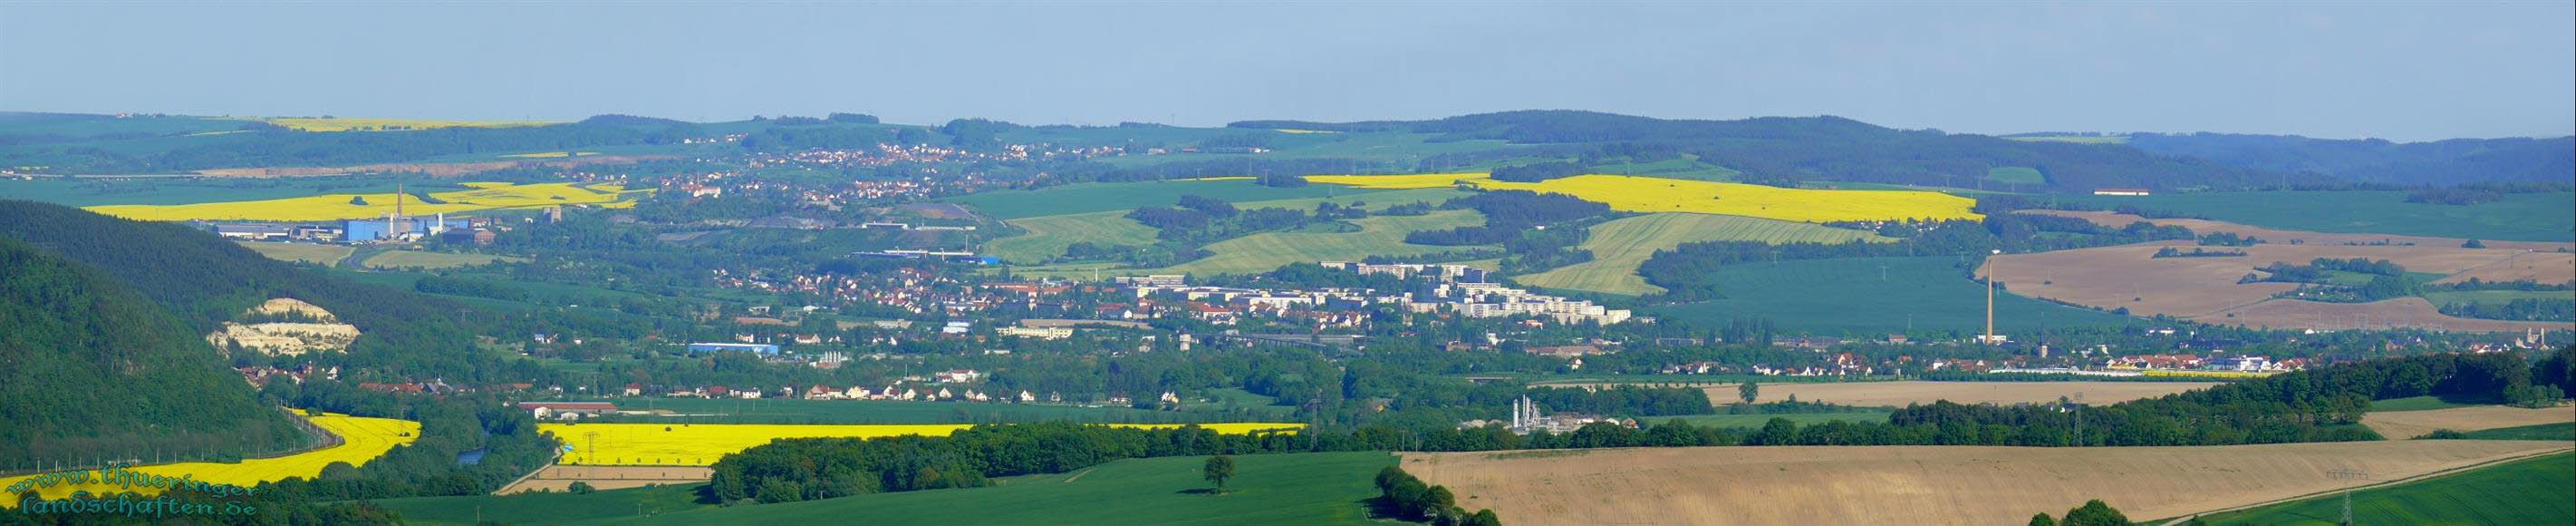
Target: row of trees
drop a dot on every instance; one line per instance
(1406, 497)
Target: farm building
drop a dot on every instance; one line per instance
(566, 410)
(2124, 192)
(754, 348)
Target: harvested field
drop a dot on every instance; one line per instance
(2542, 267)
(1902, 392)
(2205, 288)
(306, 252)
(1919, 484)
(2272, 235)
(2410, 424)
(560, 478)
(433, 260)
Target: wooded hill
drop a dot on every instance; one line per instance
(2439, 163)
(91, 370)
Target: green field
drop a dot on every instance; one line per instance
(1619, 245)
(433, 260)
(1102, 197)
(2532, 491)
(2017, 174)
(2422, 403)
(1851, 296)
(1757, 421)
(1048, 236)
(1299, 488)
(306, 252)
(2562, 431)
(2495, 296)
(546, 508)
(2517, 217)
(799, 411)
(1377, 236)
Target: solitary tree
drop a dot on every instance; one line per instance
(1748, 391)
(1218, 469)
(359, 200)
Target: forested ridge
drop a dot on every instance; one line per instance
(205, 280)
(90, 370)
(2445, 162)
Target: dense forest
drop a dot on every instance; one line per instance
(93, 370)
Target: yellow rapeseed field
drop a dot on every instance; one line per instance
(363, 124)
(362, 440)
(1656, 195)
(482, 196)
(703, 444)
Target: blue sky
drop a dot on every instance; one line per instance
(2396, 71)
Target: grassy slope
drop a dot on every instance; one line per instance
(2422, 403)
(1049, 235)
(1378, 236)
(306, 252)
(2518, 217)
(1848, 295)
(1303, 488)
(1618, 246)
(2530, 491)
(432, 260)
(546, 508)
(1103, 197)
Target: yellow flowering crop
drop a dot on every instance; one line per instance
(481, 196)
(363, 124)
(703, 444)
(362, 440)
(1659, 195)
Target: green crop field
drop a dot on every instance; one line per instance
(2423, 403)
(1757, 421)
(799, 411)
(1850, 295)
(2517, 217)
(1619, 245)
(1048, 236)
(1377, 236)
(305, 252)
(433, 260)
(2532, 491)
(2495, 296)
(547, 508)
(1102, 197)
(2562, 431)
(2017, 174)
(1298, 488)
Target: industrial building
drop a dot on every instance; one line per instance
(754, 348)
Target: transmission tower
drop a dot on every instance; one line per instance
(2348, 475)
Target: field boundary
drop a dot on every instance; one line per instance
(2376, 485)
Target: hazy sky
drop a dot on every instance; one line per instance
(2403, 72)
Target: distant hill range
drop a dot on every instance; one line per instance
(1773, 150)
(2439, 163)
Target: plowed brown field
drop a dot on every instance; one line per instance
(1918, 484)
(2205, 289)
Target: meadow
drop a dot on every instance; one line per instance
(546, 508)
(2563, 432)
(2516, 217)
(1102, 197)
(703, 444)
(433, 260)
(1619, 245)
(1297, 488)
(479, 196)
(315, 253)
(363, 439)
(1377, 236)
(2017, 174)
(1869, 296)
(1048, 236)
(2531, 491)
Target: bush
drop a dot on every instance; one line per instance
(580, 488)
